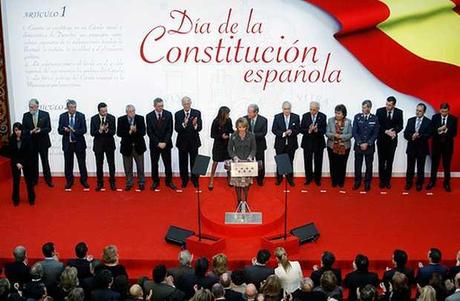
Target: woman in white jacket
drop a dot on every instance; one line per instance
(289, 272)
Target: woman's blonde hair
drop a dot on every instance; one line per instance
(242, 121)
(271, 286)
(427, 293)
(219, 264)
(69, 279)
(110, 254)
(281, 255)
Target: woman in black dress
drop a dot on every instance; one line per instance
(20, 152)
(221, 130)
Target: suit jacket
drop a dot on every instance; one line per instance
(424, 274)
(388, 275)
(260, 131)
(257, 273)
(454, 297)
(419, 146)
(347, 133)
(17, 272)
(357, 279)
(232, 295)
(82, 266)
(79, 134)
(189, 280)
(160, 130)
(20, 155)
(279, 127)
(134, 140)
(103, 141)
(315, 140)
(188, 138)
(447, 138)
(42, 139)
(52, 272)
(179, 271)
(316, 275)
(163, 291)
(395, 123)
(365, 131)
(105, 295)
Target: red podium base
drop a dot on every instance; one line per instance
(290, 244)
(208, 245)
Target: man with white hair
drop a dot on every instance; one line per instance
(313, 128)
(18, 271)
(188, 125)
(286, 128)
(251, 292)
(456, 295)
(37, 124)
(131, 130)
(185, 265)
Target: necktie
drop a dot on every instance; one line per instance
(72, 125)
(159, 118)
(443, 121)
(131, 121)
(313, 119)
(286, 121)
(103, 121)
(35, 119)
(187, 115)
(252, 125)
(366, 118)
(389, 115)
(417, 126)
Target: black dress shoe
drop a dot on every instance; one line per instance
(128, 187)
(15, 203)
(382, 185)
(260, 182)
(418, 187)
(171, 185)
(367, 187)
(429, 186)
(31, 202)
(68, 185)
(184, 184)
(278, 181)
(85, 185)
(356, 186)
(99, 187)
(447, 187)
(388, 186)
(291, 182)
(341, 185)
(408, 186)
(113, 187)
(318, 183)
(195, 183)
(141, 187)
(155, 185)
(307, 182)
(334, 185)
(49, 183)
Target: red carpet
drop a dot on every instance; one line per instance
(136, 222)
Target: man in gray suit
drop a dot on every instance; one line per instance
(455, 296)
(52, 267)
(163, 286)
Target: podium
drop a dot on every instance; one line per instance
(243, 214)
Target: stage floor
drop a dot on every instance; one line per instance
(350, 222)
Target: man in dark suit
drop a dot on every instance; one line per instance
(390, 124)
(131, 130)
(258, 126)
(162, 286)
(37, 124)
(399, 265)
(188, 125)
(444, 130)
(258, 271)
(82, 261)
(185, 266)
(52, 267)
(286, 128)
(327, 262)
(365, 131)
(159, 130)
(229, 294)
(103, 129)
(417, 133)
(72, 127)
(200, 278)
(18, 271)
(426, 272)
(313, 128)
(103, 293)
(360, 277)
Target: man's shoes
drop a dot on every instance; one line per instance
(318, 182)
(341, 185)
(307, 182)
(291, 182)
(429, 186)
(382, 185)
(141, 187)
(195, 183)
(15, 203)
(31, 202)
(68, 185)
(99, 186)
(356, 186)
(367, 187)
(128, 187)
(85, 184)
(447, 187)
(278, 181)
(408, 186)
(155, 185)
(260, 182)
(49, 183)
(334, 185)
(171, 185)
(113, 187)
(388, 186)
(184, 183)
(419, 187)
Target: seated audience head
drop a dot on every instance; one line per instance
(434, 255)
(225, 280)
(399, 258)
(103, 279)
(76, 294)
(20, 254)
(400, 282)
(281, 257)
(5, 288)
(121, 285)
(272, 286)
(136, 291)
(250, 291)
(49, 250)
(202, 295)
(427, 293)
(110, 255)
(37, 272)
(327, 260)
(201, 266)
(159, 273)
(185, 258)
(457, 280)
(306, 284)
(328, 281)
(263, 256)
(69, 278)
(219, 264)
(361, 263)
(238, 277)
(217, 291)
(367, 293)
(81, 250)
